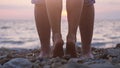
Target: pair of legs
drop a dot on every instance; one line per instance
(54, 9)
(48, 16)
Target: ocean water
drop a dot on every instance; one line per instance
(23, 34)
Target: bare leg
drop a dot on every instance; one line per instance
(86, 29)
(74, 9)
(54, 9)
(43, 28)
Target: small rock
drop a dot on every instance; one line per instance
(56, 65)
(44, 61)
(2, 57)
(46, 66)
(63, 61)
(104, 55)
(117, 66)
(4, 51)
(105, 65)
(37, 64)
(74, 65)
(115, 60)
(4, 60)
(18, 63)
(0, 66)
(72, 60)
(67, 57)
(75, 60)
(103, 61)
(113, 52)
(54, 60)
(49, 62)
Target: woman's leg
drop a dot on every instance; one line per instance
(86, 29)
(54, 9)
(43, 29)
(74, 9)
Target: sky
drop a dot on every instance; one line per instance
(23, 9)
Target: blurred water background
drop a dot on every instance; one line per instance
(23, 34)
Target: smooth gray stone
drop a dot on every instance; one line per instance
(46, 66)
(113, 52)
(18, 63)
(105, 65)
(0, 66)
(74, 65)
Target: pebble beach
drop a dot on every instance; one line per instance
(28, 58)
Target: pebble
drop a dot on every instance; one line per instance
(113, 52)
(18, 63)
(74, 65)
(115, 60)
(104, 58)
(75, 60)
(56, 65)
(44, 61)
(63, 61)
(105, 65)
(1, 66)
(46, 66)
(117, 66)
(37, 64)
(57, 59)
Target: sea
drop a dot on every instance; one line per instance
(23, 33)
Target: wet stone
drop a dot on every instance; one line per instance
(75, 60)
(117, 66)
(105, 65)
(56, 65)
(103, 58)
(18, 63)
(46, 66)
(113, 52)
(74, 65)
(1, 66)
(115, 60)
(36, 64)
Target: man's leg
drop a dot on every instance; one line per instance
(74, 9)
(43, 29)
(86, 29)
(54, 9)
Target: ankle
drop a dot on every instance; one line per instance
(57, 38)
(86, 49)
(87, 53)
(71, 38)
(45, 48)
(45, 52)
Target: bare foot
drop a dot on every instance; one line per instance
(45, 53)
(58, 46)
(86, 52)
(71, 50)
(70, 46)
(87, 56)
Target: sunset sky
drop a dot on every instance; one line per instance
(23, 9)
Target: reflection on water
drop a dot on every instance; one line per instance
(23, 34)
